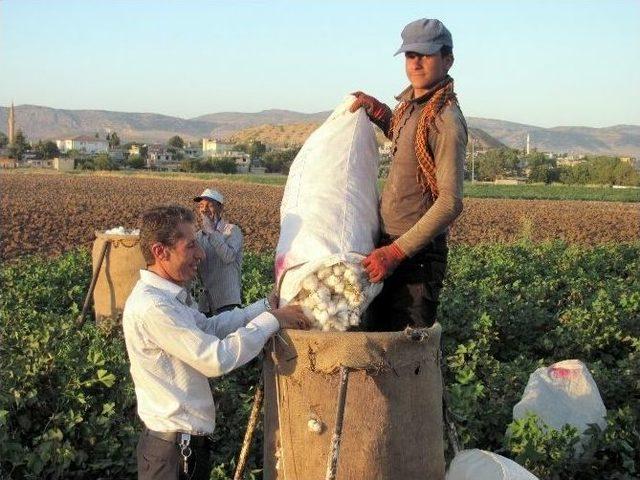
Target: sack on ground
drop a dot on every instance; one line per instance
(482, 465)
(564, 393)
(329, 221)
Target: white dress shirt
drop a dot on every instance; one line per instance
(173, 348)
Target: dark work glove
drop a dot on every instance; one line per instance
(378, 112)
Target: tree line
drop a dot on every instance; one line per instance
(539, 168)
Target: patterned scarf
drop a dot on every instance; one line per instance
(441, 96)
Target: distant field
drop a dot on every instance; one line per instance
(68, 208)
(552, 192)
(477, 190)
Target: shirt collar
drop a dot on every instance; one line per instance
(154, 280)
(406, 95)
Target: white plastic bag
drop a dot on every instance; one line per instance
(482, 465)
(564, 393)
(329, 211)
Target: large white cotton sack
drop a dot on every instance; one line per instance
(482, 465)
(564, 393)
(330, 204)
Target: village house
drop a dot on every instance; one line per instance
(158, 155)
(83, 143)
(215, 147)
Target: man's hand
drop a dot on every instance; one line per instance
(292, 316)
(273, 299)
(375, 109)
(383, 261)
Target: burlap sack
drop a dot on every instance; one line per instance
(119, 273)
(392, 427)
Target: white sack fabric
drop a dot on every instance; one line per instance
(482, 465)
(329, 211)
(564, 393)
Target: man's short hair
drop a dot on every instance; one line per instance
(446, 50)
(160, 225)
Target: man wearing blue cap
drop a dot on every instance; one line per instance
(423, 193)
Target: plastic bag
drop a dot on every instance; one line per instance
(329, 211)
(564, 393)
(482, 465)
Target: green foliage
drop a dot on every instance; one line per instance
(135, 161)
(600, 171)
(509, 309)
(219, 165)
(4, 140)
(176, 142)
(279, 161)
(103, 162)
(19, 146)
(67, 405)
(113, 139)
(46, 150)
(552, 192)
(496, 163)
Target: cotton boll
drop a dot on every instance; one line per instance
(322, 305)
(342, 305)
(331, 281)
(354, 319)
(309, 302)
(339, 288)
(324, 273)
(343, 317)
(340, 326)
(323, 293)
(332, 309)
(338, 270)
(310, 283)
(321, 315)
(308, 312)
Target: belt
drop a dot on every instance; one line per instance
(179, 437)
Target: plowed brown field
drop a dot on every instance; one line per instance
(48, 213)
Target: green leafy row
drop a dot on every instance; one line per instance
(67, 405)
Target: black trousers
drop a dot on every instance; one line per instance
(160, 459)
(410, 295)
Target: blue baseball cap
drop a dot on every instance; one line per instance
(425, 36)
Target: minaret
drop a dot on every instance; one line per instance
(12, 125)
(527, 144)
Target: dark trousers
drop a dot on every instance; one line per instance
(410, 295)
(160, 459)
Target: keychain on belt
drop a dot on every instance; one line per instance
(185, 450)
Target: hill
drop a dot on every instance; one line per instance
(50, 123)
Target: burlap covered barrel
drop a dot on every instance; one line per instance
(119, 272)
(392, 426)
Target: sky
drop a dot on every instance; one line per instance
(545, 63)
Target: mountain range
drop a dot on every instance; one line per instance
(49, 123)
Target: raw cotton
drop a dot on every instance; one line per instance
(329, 221)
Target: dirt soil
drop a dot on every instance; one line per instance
(50, 214)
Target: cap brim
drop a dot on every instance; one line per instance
(197, 199)
(421, 48)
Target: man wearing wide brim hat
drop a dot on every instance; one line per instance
(220, 273)
(423, 193)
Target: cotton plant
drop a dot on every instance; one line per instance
(334, 296)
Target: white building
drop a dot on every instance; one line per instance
(215, 147)
(192, 151)
(64, 164)
(158, 155)
(84, 144)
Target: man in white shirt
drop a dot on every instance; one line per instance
(220, 271)
(173, 348)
